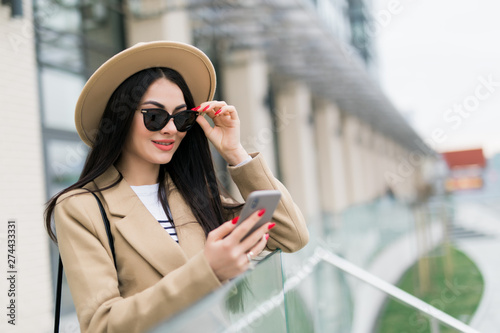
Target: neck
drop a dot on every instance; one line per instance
(138, 173)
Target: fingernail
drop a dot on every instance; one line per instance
(197, 108)
(271, 226)
(206, 107)
(216, 113)
(266, 236)
(235, 220)
(261, 212)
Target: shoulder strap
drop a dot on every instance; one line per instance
(107, 226)
(60, 265)
(58, 296)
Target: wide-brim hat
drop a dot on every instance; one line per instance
(194, 66)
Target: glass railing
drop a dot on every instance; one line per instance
(313, 290)
(360, 233)
(253, 302)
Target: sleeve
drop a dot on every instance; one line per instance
(290, 233)
(93, 281)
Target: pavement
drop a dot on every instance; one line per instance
(482, 245)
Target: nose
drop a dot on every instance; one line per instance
(169, 127)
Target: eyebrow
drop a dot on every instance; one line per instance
(177, 108)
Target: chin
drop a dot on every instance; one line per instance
(163, 159)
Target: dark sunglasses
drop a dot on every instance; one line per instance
(156, 119)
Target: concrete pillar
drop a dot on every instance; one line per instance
(297, 150)
(330, 157)
(353, 154)
(173, 25)
(378, 164)
(403, 169)
(22, 186)
(367, 159)
(391, 174)
(246, 85)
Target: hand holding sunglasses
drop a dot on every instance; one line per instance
(225, 134)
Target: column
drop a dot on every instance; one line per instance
(332, 175)
(355, 166)
(245, 85)
(378, 164)
(296, 147)
(174, 25)
(367, 158)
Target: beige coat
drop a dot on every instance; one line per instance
(157, 277)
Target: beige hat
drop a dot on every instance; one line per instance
(194, 66)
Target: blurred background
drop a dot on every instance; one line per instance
(379, 116)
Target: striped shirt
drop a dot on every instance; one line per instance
(149, 197)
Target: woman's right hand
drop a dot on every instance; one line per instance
(227, 253)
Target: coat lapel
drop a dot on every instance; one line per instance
(143, 232)
(191, 235)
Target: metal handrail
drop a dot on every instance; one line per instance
(392, 290)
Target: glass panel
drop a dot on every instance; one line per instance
(320, 297)
(60, 92)
(60, 50)
(65, 161)
(317, 297)
(96, 58)
(363, 232)
(253, 302)
(63, 16)
(102, 30)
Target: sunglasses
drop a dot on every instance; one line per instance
(156, 119)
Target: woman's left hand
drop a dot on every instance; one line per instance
(225, 135)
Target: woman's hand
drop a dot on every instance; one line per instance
(225, 135)
(227, 253)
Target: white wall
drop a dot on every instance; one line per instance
(22, 188)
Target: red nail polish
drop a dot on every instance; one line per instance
(235, 220)
(216, 113)
(261, 212)
(197, 108)
(271, 226)
(206, 107)
(267, 236)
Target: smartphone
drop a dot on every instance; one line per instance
(257, 200)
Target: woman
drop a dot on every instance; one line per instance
(143, 115)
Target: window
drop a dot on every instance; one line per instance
(73, 38)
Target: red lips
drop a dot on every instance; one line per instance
(164, 145)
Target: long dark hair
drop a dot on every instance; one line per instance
(191, 168)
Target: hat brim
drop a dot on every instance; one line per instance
(194, 66)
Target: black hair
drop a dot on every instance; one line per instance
(191, 167)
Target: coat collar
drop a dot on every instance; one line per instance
(136, 224)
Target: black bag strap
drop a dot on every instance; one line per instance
(58, 295)
(60, 265)
(107, 226)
